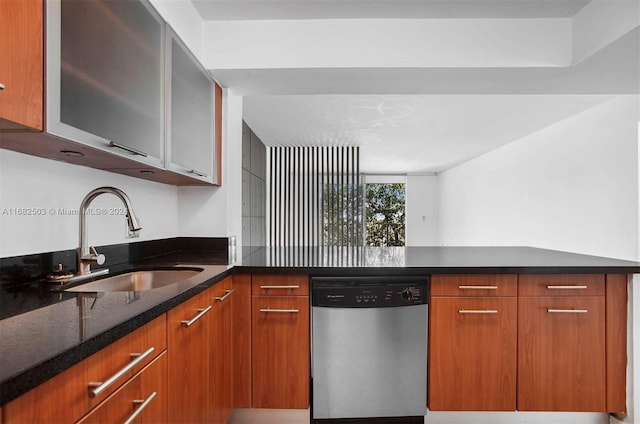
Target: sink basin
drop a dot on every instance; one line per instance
(139, 280)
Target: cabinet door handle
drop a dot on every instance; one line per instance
(96, 388)
(198, 173)
(478, 287)
(1, 86)
(567, 311)
(143, 404)
(556, 287)
(477, 311)
(188, 323)
(279, 287)
(283, 311)
(127, 148)
(228, 293)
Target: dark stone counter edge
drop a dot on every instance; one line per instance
(38, 374)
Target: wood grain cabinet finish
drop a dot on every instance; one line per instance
(561, 359)
(144, 398)
(472, 346)
(280, 353)
(279, 285)
(188, 343)
(22, 64)
(221, 360)
(44, 403)
(474, 285)
(242, 341)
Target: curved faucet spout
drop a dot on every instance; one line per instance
(85, 257)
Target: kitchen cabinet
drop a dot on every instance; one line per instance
(271, 341)
(472, 343)
(45, 404)
(221, 368)
(562, 343)
(280, 341)
(105, 72)
(188, 343)
(143, 398)
(191, 113)
(22, 65)
(105, 90)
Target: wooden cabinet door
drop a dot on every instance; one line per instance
(145, 395)
(561, 354)
(241, 344)
(22, 63)
(221, 365)
(189, 356)
(280, 353)
(472, 354)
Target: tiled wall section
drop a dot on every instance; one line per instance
(254, 193)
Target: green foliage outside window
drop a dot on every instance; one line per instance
(385, 214)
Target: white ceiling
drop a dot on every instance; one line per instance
(419, 120)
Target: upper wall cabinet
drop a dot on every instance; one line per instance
(118, 98)
(190, 113)
(105, 72)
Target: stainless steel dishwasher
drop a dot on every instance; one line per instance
(369, 349)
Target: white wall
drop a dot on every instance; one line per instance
(32, 182)
(422, 210)
(572, 186)
(357, 43)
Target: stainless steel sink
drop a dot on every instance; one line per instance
(139, 280)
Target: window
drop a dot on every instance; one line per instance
(385, 214)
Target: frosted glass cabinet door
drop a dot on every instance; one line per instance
(105, 69)
(190, 117)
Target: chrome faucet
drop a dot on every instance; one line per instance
(87, 255)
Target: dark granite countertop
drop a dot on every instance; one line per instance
(45, 332)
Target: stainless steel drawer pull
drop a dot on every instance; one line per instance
(478, 287)
(188, 323)
(128, 149)
(279, 287)
(477, 311)
(228, 293)
(96, 388)
(198, 173)
(566, 287)
(285, 311)
(567, 311)
(143, 404)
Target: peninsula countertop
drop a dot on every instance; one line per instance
(39, 342)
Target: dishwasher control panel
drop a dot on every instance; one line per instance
(366, 292)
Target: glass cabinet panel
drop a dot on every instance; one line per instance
(190, 121)
(107, 75)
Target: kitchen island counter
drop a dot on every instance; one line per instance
(63, 328)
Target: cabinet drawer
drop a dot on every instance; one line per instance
(140, 346)
(145, 395)
(561, 284)
(280, 285)
(474, 285)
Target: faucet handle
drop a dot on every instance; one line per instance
(94, 257)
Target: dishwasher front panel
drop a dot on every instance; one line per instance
(369, 362)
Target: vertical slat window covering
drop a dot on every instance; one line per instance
(314, 197)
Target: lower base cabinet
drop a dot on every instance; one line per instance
(561, 360)
(280, 357)
(472, 354)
